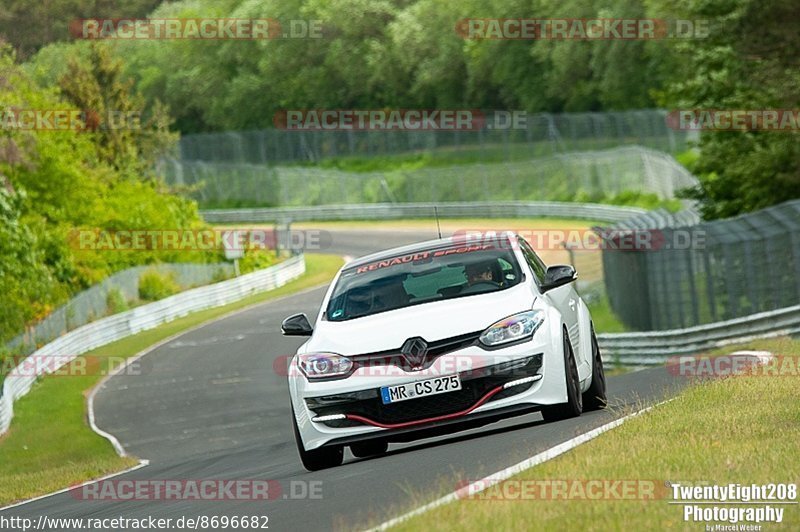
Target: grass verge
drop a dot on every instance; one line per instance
(603, 316)
(736, 430)
(50, 445)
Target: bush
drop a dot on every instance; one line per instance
(115, 302)
(220, 274)
(257, 259)
(154, 286)
(55, 184)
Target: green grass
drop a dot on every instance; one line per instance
(448, 175)
(480, 153)
(736, 430)
(603, 317)
(50, 445)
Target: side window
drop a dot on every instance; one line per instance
(533, 260)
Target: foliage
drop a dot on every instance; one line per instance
(56, 183)
(154, 286)
(375, 54)
(116, 302)
(124, 137)
(26, 284)
(406, 53)
(256, 259)
(28, 24)
(748, 61)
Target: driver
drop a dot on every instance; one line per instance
(479, 272)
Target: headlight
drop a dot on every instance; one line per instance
(516, 327)
(324, 365)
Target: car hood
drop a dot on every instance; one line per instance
(431, 321)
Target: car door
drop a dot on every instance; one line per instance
(565, 299)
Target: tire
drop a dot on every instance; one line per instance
(595, 397)
(574, 405)
(321, 458)
(369, 448)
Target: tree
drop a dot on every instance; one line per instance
(30, 24)
(56, 182)
(748, 62)
(125, 138)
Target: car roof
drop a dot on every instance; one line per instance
(437, 243)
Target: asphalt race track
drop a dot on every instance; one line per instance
(209, 405)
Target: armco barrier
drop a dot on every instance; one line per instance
(91, 303)
(112, 328)
(653, 347)
(393, 211)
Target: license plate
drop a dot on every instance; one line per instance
(413, 390)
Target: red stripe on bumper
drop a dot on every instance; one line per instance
(482, 400)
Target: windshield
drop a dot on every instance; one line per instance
(424, 276)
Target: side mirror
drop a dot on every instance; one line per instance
(296, 325)
(559, 275)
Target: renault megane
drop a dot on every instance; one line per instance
(436, 337)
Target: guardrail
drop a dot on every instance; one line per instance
(106, 330)
(393, 211)
(91, 303)
(653, 347)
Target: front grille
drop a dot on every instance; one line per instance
(393, 357)
(474, 385)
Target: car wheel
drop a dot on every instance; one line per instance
(369, 448)
(317, 459)
(595, 397)
(574, 405)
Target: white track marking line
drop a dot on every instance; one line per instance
(141, 464)
(487, 482)
(130, 360)
(90, 401)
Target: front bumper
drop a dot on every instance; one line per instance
(478, 387)
(515, 379)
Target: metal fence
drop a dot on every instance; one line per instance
(706, 272)
(543, 134)
(581, 176)
(69, 346)
(93, 302)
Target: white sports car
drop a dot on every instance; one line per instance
(436, 337)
